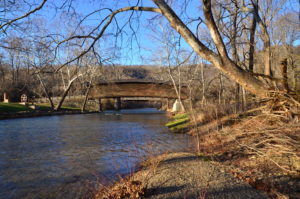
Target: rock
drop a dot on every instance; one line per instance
(32, 107)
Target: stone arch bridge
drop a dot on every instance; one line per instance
(135, 90)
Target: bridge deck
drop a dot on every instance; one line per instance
(135, 89)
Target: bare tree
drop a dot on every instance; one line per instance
(285, 33)
(92, 71)
(10, 7)
(174, 58)
(67, 89)
(218, 54)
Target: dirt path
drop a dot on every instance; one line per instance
(185, 175)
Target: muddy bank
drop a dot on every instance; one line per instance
(182, 175)
(4, 116)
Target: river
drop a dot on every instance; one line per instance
(62, 156)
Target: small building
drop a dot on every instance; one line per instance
(23, 99)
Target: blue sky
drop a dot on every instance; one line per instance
(134, 51)
(142, 48)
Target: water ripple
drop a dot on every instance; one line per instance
(39, 156)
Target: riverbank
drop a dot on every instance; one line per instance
(181, 175)
(16, 110)
(260, 150)
(26, 114)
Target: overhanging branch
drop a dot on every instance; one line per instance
(110, 18)
(23, 16)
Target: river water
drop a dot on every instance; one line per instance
(62, 156)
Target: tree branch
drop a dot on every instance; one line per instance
(215, 34)
(24, 16)
(110, 18)
(224, 64)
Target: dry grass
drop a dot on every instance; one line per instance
(211, 112)
(270, 140)
(125, 188)
(263, 136)
(258, 148)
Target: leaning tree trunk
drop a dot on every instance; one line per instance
(64, 95)
(221, 60)
(86, 97)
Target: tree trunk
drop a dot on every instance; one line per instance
(284, 64)
(46, 91)
(235, 55)
(227, 66)
(244, 101)
(176, 88)
(86, 97)
(237, 97)
(252, 45)
(266, 39)
(64, 95)
(203, 84)
(221, 89)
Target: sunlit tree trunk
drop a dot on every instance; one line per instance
(252, 45)
(66, 91)
(203, 100)
(221, 60)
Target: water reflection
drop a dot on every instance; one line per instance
(50, 157)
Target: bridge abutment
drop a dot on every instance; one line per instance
(100, 105)
(117, 103)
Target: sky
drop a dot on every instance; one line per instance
(136, 49)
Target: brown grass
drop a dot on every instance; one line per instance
(125, 188)
(258, 149)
